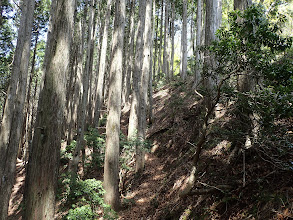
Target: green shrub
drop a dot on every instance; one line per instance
(88, 197)
(81, 213)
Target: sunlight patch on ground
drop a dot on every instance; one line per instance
(179, 183)
(220, 148)
(158, 177)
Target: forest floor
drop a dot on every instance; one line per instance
(258, 181)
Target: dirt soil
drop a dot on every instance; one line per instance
(248, 184)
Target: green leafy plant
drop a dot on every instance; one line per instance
(96, 142)
(89, 201)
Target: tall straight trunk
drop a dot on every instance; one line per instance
(146, 70)
(102, 65)
(23, 148)
(34, 106)
(111, 168)
(77, 87)
(211, 25)
(84, 101)
(134, 111)
(130, 55)
(198, 69)
(42, 170)
(165, 49)
(91, 104)
(72, 84)
(172, 40)
(152, 63)
(183, 69)
(10, 130)
(155, 56)
(245, 82)
(161, 42)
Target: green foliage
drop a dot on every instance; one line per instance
(83, 212)
(252, 44)
(88, 197)
(96, 142)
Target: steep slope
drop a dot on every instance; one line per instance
(249, 184)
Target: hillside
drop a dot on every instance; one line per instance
(257, 185)
(254, 185)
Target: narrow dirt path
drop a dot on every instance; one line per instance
(143, 193)
(15, 208)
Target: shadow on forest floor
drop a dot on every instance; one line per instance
(266, 194)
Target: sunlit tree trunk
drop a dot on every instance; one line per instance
(244, 81)
(102, 65)
(134, 111)
(198, 68)
(111, 168)
(92, 74)
(146, 70)
(161, 43)
(23, 148)
(155, 56)
(152, 63)
(213, 9)
(42, 172)
(166, 41)
(11, 125)
(86, 84)
(172, 40)
(183, 66)
(130, 55)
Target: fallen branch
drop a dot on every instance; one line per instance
(211, 190)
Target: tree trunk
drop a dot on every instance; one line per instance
(134, 111)
(183, 70)
(166, 45)
(42, 172)
(155, 56)
(91, 104)
(211, 25)
(244, 83)
(152, 63)
(198, 68)
(111, 168)
(23, 148)
(146, 69)
(161, 42)
(10, 130)
(172, 40)
(130, 54)
(86, 80)
(102, 65)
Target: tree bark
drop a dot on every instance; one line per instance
(146, 70)
(86, 80)
(166, 41)
(211, 25)
(198, 68)
(244, 83)
(152, 63)
(102, 65)
(130, 55)
(183, 70)
(42, 172)
(10, 130)
(172, 40)
(134, 111)
(111, 168)
(155, 56)
(161, 43)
